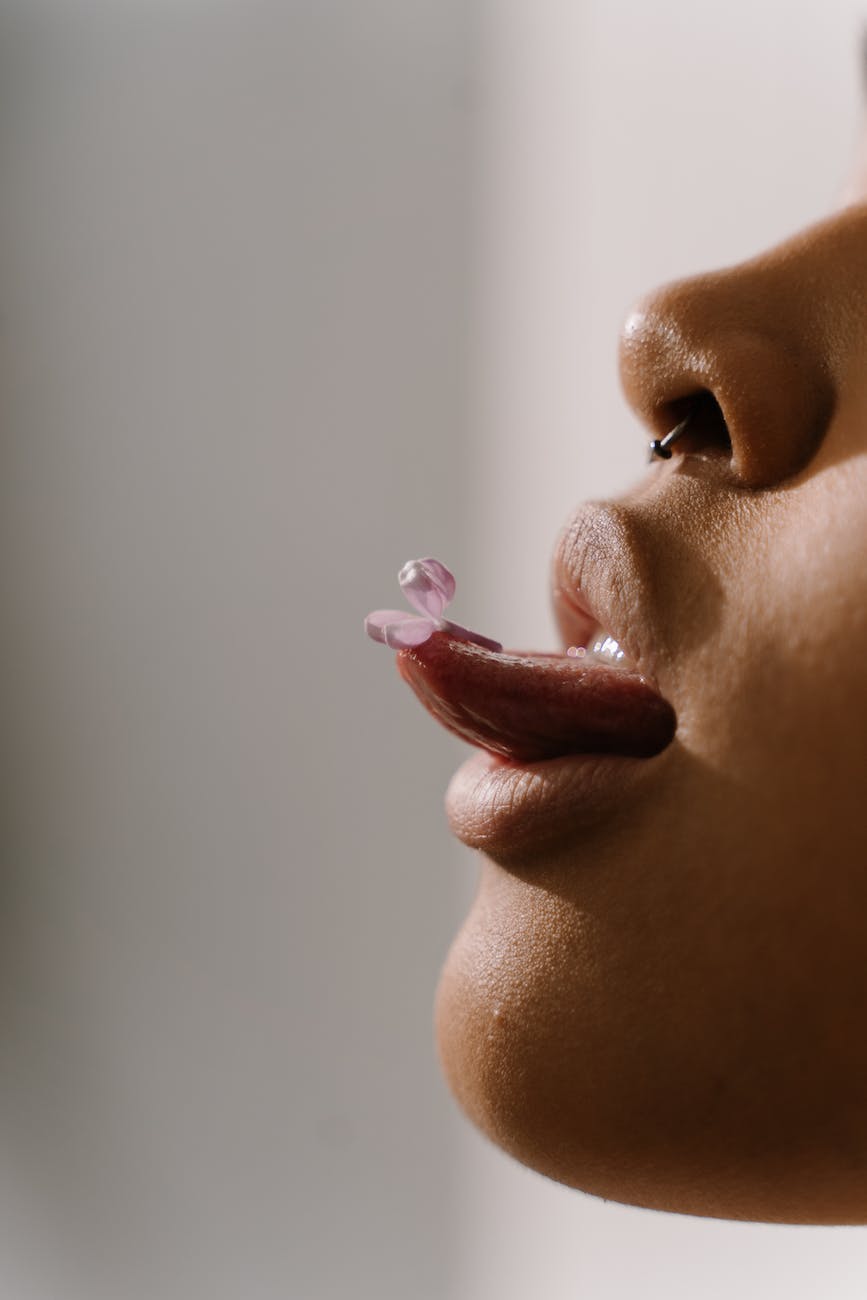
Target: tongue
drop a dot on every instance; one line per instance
(528, 706)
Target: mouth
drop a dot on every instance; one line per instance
(596, 697)
(562, 737)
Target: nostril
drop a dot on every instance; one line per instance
(747, 356)
(704, 429)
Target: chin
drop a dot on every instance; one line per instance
(611, 1085)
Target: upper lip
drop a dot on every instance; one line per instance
(601, 583)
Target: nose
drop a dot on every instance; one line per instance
(755, 353)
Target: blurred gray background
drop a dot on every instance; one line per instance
(288, 294)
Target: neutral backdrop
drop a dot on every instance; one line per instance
(289, 293)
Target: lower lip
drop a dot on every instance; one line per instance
(513, 811)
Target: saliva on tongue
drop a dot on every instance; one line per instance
(527, 707)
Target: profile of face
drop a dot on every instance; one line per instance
(660, 993)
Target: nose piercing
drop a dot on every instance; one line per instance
(661, 447)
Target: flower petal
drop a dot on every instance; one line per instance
(375, 623)
(444, 577)
(428, 586)
(397, 628)
(412, 631)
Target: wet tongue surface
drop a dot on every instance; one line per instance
(528, 707)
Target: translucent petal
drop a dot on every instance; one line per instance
(398, 629)
(376, 623)
(411, 631)
(427, 585)
(445, 579)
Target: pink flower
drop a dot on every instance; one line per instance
(429, 586)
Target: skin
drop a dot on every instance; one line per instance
(668, 1006)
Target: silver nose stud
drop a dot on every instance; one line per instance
(660, 448)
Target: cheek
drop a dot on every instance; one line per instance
(776, 699)
(764, 616)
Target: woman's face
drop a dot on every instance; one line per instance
(660, 993)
